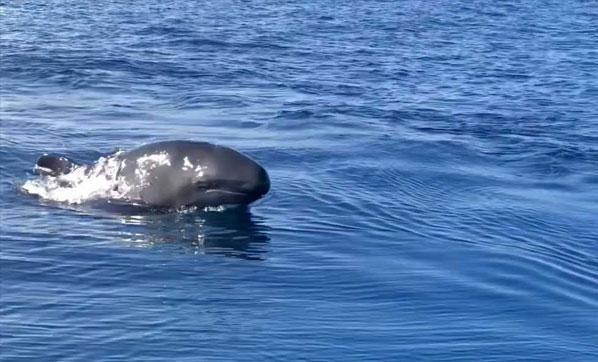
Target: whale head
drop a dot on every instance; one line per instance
(183, 173)
(228, 177)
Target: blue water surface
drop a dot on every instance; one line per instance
(434, 171)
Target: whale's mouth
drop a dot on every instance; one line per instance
(224, 191)
(232, 191)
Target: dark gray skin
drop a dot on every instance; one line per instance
(54, 165)
(180, 173)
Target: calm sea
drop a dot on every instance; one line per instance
(434, 171)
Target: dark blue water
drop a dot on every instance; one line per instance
(434, 169)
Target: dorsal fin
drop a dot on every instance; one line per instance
(51, 165)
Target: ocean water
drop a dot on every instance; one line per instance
(434, 170)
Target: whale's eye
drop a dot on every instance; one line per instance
(200, 186)
(203, 185)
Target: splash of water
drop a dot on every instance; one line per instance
(84, 183)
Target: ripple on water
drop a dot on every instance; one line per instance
(433, 170)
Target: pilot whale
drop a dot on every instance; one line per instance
(175, 173)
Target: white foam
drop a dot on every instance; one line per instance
(153, 160)
(187, 165)
(199, 171)
(147, 163)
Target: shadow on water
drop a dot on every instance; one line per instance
(233, 232)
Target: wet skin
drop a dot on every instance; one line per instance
(180, 173)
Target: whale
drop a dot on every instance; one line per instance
(172, 174)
